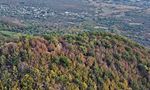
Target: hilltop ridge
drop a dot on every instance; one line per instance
(84, 61)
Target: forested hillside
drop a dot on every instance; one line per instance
(85, 61)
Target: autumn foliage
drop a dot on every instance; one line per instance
(84, 61)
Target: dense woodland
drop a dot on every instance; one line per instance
(85, 61)
(73, 45)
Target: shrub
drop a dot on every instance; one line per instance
(79, 60)
(83, 86)
(100, 80)
(24, 55)
(52, 38)
(91, 53)
(55, 60)
(83, 49)
(106, 43)
(1, 85)
(138, 56)
(62, 60)
(117, 56)
(128, 49)
(27, 82)
(142, 68)
(126, 56)
(62, 79)
(134, 85)
(72, 86)
(108, 74)
(77, 81)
